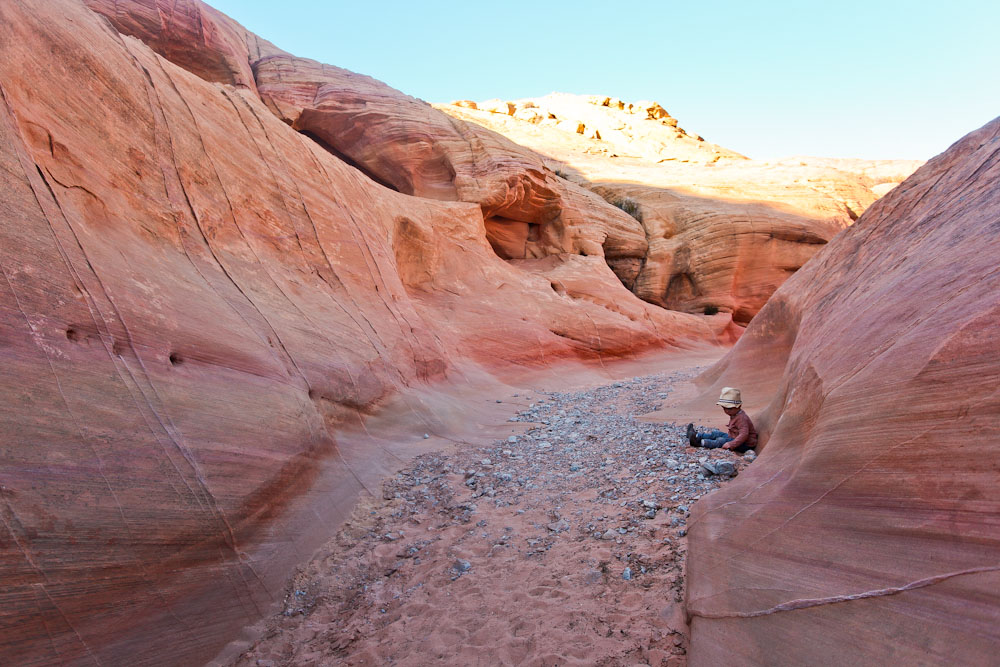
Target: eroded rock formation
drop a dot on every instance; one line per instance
(868, 529)
(723, 231)
(397, 140)
(687, 193)
(215, 255)
(195, 296)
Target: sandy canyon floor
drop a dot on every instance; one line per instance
(564, 544)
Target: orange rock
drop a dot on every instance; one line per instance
(406, 145)
(218, 258)
(867, 530)
(199, 302)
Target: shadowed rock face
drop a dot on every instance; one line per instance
(868, 529)
(707, 254)
(196, 296)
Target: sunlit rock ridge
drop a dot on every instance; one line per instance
(722, 231)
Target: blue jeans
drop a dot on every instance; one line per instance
(713, 439)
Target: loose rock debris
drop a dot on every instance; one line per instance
(564, 545)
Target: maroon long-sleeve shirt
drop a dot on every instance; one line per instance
(741, 430)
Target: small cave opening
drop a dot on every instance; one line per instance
(534, 232)
(623, 262)
(72, 334)
(510, 238)
(498, 248)
(175, 359)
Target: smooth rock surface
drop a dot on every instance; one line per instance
(868, 530)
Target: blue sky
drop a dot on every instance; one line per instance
(877, 79)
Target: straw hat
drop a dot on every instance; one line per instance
(730, 398)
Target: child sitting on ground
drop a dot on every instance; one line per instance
(742, 435)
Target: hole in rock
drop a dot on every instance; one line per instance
(175, 359)
(711, 310)
(742, 315)
(510, 238)
(72, 334)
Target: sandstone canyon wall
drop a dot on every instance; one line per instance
(216, 255)
(868, 531)
(196, 295)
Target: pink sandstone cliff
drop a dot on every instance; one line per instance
(195, 296)
(868, 531)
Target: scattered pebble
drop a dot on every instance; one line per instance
(559, 526)
(725, 468)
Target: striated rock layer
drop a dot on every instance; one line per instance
(397, 140)
(722, 231)
(197, 297)
(699, 228)
(869, 528)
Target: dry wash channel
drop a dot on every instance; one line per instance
(562, 545)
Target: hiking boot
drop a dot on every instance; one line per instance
(692, 436)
